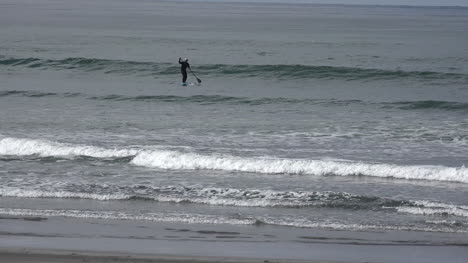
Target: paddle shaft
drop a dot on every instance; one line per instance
(199, 80)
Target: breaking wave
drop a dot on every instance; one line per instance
(192, 161)
(15, 146)
(175, 160)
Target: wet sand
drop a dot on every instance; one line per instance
(55, 239)
(51, 256)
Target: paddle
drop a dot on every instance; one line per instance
(199, 80)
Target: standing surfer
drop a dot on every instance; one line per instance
(183, 69)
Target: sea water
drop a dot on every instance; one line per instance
(309, 116)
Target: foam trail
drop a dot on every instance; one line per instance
(190, 161)
(11, 192)
(251, 198)
(21, 147)
(209, 196)
(158, 217)
(212, 219)
(433, 208)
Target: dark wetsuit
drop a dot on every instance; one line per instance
(183, 69)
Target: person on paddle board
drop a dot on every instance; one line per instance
(183, 68)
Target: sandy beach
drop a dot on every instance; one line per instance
(55, 239)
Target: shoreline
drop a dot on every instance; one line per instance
(70, 256)
(70, 240)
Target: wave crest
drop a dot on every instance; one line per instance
(15, 146)
(191, 161)
(174, 160)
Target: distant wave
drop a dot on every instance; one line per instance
(281, 71)
(92, 64)
(37, 94)
(231, 100)
(430, 104)
(174, 160)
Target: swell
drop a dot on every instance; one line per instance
(430, 104)
(232, 100)
(175, 160)
(37, 94)
(280, 71)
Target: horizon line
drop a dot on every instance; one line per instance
(318, 3)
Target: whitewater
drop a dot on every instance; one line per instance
(164, 159)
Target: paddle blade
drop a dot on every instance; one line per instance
(199, 80)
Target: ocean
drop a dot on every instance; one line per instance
(308, 116)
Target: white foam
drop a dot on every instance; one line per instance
(14, 192)
(210, 196)
(120, 215)
(190, 161)
(433, 208)
(439, 205)
(304, 223)
(230, 202)
(432, 211)
(168, 159)
(21, 147)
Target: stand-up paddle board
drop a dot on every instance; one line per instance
(189, 84)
